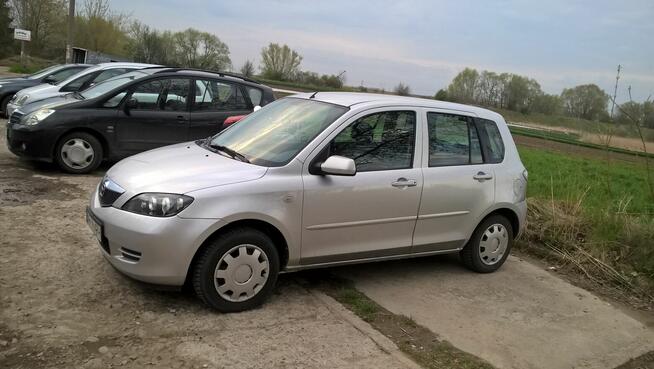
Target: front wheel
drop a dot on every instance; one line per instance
(489, 245)
(78, 153)
(237, 271)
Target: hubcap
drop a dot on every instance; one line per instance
(77, 153)
(241, 273)
(493, 244)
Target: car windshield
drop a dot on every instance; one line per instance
(111, 83)
(43, 72)
(273, 135)
(83, 72)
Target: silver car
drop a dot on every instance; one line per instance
(314, 180)
(77, 82)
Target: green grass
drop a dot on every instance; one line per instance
(605, 186)
(614, 221)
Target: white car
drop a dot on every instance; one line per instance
(77, 82)
(310, 181)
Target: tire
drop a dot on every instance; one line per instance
(489, 245)
(3, 105)
(240, 287)
(78, 153)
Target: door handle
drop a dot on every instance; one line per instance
(482, 176)
(403, 182)
(181, 119)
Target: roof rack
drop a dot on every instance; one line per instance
(222, 74)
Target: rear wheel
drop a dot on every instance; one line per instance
(3, 105)
(489, 245)
(78, 153)
(237, 271)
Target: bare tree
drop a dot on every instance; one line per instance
(247, 69)
(402, 89)
(279, 62)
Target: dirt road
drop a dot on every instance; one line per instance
(63, 306)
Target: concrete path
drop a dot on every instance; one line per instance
(519, 317)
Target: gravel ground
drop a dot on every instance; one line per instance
(63, 306)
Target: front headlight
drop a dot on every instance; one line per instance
(157, 204)
(21, 100)
(36, 117)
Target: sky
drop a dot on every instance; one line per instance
(560, 43)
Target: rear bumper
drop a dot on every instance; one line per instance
(521, 210)
(150, 249)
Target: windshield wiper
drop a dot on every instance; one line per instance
(78, 95)
(234, 154)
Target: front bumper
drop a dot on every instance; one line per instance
(150, 249)
(29, 142)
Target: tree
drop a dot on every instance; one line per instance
(585, 101)
(547, 104)
(279, 62)
(99, 29)
(6, 35)
(463, 86)
(402, 89)
(197, 49)
(247, 69)
(46, 19)
(441, 95)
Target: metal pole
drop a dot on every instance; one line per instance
(22, 53)
(71, 30)
(615, 91)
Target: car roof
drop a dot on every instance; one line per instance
(207, 73)
(360, 99)
(125, 64)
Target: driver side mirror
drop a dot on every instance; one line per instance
(256, 108)
(339, 166)
(131, 103)
(50, 79)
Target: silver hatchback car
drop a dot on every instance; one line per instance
(314, 180)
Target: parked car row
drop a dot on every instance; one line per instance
(307, 181)
(113, 110)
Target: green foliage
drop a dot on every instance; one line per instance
(585, 101)
(279, 62)
(189, 48)
(441, 95)
(46, 19)
(402, 89)
(248, 69)
(463, 86)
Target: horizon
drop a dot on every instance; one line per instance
(576, 44)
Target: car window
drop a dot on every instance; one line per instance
(77, 83)
(61, 75)
(115, 100)
(494, 146)
(380, 141)
(106, 74)
(255, 95)
(162, 94)
(212, 95)
(112, 83)
(453, 140)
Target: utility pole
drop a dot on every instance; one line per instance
(71, 30)
(615, 91)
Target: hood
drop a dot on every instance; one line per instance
(37, 89)
(180, 168)
(12, 80)
(47, 103)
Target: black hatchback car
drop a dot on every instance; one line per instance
(134, 112)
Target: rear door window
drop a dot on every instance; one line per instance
(162, 94)
(453, 140)
(213, 95)
(255, 95)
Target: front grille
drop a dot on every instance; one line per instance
(15, 117)
(130, 255)
(109, 192)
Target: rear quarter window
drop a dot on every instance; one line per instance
(491, 140)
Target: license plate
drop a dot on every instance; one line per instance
(96, 227)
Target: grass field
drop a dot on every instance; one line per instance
(594, 214)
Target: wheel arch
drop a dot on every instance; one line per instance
(269, 229)
(509, 214)
(91, 131)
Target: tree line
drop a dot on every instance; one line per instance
(523, 94)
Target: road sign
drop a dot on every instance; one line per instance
(22, 34)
